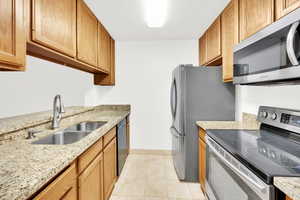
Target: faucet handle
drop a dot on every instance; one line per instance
(31, 133)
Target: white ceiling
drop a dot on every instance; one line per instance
(187, 19)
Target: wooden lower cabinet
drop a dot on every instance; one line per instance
(288, 198)
(202, 163)
(90, 182)
(92, 176)
(128, 133)
(110, 167)
(62, 188)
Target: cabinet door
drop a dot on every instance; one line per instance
(230, 37)
(112, 62)
(255, 15)
(202, 163)
(104, 49)
(110, 168)
(87, 34)
(202, 50)
(54, 24)
(283, 7)
(64, 187)
(90, 182)
(12, 35)
(128, 134)
(107, 79)
(213, 39)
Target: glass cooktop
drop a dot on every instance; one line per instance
(268, 152)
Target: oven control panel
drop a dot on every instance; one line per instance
(282, 118)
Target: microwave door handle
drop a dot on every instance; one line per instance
(290, 44)
(235, 169)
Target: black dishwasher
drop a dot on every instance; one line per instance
(122, 144)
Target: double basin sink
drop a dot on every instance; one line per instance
(71, 134)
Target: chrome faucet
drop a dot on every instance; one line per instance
(58, 109)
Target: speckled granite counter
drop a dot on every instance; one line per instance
(289, 185)
(25, 168)
(248, 122)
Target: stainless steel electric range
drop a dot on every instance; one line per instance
(241, 164)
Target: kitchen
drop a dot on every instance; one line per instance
(114, 82)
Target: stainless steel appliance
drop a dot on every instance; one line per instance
(122, 145)
(270, 55)
(244, 162)
(197, 93)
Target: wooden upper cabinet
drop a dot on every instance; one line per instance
(213, 40)
(284, 7)
(202, 50)
(110, 167)
(87, 34)
(103, 48)
(90, 182)
(108, 79)
(255, 15)
(54, 25)
(12, 35)
(230, 37)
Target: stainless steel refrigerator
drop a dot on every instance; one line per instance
(197, 94)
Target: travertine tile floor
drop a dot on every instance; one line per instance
(153, 177)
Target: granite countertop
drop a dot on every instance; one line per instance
(289, 185)
(248, 122)
(25, 168)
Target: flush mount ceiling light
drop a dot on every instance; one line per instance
(155, 12)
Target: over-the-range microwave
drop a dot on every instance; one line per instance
(270, 55)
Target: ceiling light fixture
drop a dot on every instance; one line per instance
(155, 12)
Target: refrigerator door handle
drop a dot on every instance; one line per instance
(173, 101)
(175, 133)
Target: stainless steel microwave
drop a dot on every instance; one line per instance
(270, 55)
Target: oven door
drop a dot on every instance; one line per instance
(228, 179)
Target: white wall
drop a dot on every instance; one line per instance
(249, 98)
(34, 89)
(143, 79)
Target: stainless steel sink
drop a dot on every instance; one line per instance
(85, 126)
(71, 134)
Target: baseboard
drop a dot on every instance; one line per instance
(151, 152)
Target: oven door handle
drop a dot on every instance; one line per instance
(242, 175)
(290, 44)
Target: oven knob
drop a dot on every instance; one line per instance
(264, 114)
(274, 116)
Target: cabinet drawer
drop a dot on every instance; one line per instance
(109, 136)
(88, 156)
(202, 134)
(61, 187)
